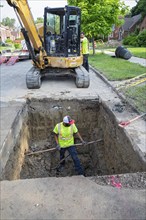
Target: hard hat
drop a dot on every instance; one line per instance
(67, 119)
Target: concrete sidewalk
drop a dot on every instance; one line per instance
(58, 198)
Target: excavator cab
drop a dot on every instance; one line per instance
(62, 31)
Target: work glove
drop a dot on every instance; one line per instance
(84, 142)
(58, 147)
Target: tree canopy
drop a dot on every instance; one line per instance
(139, 8)
(98, 16)
(39, 20)
(10, 22)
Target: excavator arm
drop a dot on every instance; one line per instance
(29, 30)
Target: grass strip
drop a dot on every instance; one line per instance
(115, 68)
(138, 52)
(136, 95)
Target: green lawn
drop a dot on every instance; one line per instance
(120, 69)
(136, 95)
(12, 48)
(115, 68)
(138, 51)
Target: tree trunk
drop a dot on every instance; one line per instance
(93, 45)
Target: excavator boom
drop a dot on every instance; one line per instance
(23, 12)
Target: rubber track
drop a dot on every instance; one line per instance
(82, 77)
(33, 78)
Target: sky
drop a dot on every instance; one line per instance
(37, 7)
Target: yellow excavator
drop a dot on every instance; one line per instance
(58, 52)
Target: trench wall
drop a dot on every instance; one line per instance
(45, 114)
(121, 154)
(15, 145)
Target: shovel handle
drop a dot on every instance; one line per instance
(52, 149)
(41, 151)
(125, 123)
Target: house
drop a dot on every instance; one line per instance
(8, 33)
(16, 34)
(5, 33)
(143, 24)
(117, 31)
(129, 26)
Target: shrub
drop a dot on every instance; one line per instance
(131, 40)
(9, 41)
(141, 39)
(17, 46)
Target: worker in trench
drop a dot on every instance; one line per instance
(64, 137)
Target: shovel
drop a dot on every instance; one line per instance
(52, 149)
(54, 168)
(125, 123)
(91, 142)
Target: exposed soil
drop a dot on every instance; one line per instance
(45, 164)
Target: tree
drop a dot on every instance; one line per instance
(139, 8)
(39, 20)
(10, 22)
(98, 16)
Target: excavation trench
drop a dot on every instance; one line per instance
(115, 154)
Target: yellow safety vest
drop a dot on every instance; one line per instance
(65, 134)
(60, 132)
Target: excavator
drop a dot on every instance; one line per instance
(57, 53)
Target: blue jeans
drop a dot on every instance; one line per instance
(85, 62)
(72, 151)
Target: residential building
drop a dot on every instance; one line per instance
(8, 33)
(143, 24)
(129, 26)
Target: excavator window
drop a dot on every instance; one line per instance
(53, 23)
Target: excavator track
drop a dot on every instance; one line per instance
(33, 78)
(82, 77)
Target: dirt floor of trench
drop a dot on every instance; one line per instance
(46, 164)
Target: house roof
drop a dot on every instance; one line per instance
(130, 22)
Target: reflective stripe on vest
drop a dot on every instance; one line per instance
(60, 133)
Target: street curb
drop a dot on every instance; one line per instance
(101, 76)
